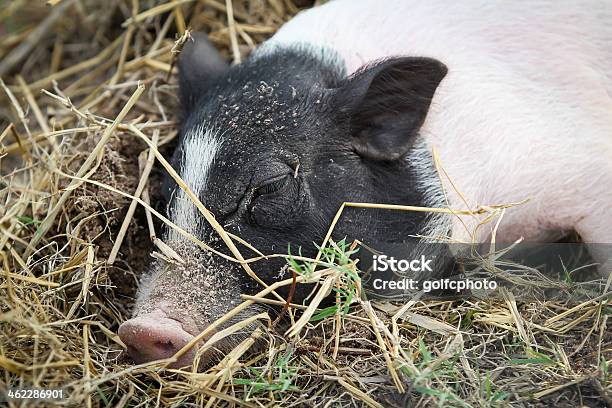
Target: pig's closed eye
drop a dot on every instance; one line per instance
(275, 202)
(272, 186)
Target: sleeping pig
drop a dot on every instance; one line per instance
(346, 103)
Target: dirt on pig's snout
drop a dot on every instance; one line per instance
(179, 300)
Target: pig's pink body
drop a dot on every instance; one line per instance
(525, 111)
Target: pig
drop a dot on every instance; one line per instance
(345, 104)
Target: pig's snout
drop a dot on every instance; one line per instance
(155, 336)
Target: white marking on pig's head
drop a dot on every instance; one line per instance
(198, 151)
(428, 182)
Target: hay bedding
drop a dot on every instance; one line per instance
(67, 153)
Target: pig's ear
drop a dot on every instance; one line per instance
(387, 103)
(199, 64)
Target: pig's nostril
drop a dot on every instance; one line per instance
(167, 346)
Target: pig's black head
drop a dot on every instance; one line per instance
(273, 147)
(293, 138)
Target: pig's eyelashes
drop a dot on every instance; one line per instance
(272, 186)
